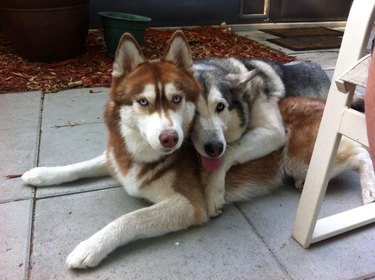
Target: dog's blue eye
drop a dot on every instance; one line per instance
(143, 102)
(220, 107)
(176, 99)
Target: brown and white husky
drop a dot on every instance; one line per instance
(150, 110)
(149, 114)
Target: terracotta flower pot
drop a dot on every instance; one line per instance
(46, 30)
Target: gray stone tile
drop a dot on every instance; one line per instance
(226, 248)
(326, 59)
(347, 256)
(78, 105)
(66, 145)
(19, 110)
(15, 219)
(18, 152)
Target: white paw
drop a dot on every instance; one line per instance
(299, 183)
(88, 253)
(368, 196)
(215, 202)
(47, 176)
(38, 176)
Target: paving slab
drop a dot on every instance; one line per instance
(77, 105)
(67, 145)
(19, 110)
(326, 59)
(347, 256)
(15, 219)
(226, 248)
(18, 148)
(19, 123)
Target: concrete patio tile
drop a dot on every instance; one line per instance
(226, 248)
(77, 105)
(15, 218)
(66, 145)
(18, 152)
(347, 256)
(19, 110)
(326, 59)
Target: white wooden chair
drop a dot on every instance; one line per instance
(338, 119)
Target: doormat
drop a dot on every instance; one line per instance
(305, 43)
(311, 31)
(93, 68)
(304, 39)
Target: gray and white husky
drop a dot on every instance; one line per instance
(238, 109)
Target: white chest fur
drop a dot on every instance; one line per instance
(144, 186)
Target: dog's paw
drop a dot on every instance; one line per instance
(46, 176)
(368, 196)
(215, 203)
(88, 253)
(299, 183)
(38, 176)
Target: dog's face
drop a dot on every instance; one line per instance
(155, 100)
(222, 115)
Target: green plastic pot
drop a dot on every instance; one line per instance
(115, 24)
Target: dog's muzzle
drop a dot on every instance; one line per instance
(214, 151)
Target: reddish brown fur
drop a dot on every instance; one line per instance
(301, 117)
(126, 89)
(260, 171)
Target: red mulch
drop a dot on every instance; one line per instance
(93, 68)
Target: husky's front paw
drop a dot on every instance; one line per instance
(215, 191)
(214, 205)
(39, 176)
(88, 253)
(47, 176)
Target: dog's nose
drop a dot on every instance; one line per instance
(168, 138)
(214, 149)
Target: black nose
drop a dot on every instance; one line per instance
(214, 149)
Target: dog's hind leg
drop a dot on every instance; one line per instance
(359, 161)
(47, 176)
(173, 214)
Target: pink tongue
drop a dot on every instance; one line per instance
(210, 164)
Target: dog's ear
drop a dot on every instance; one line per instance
(240, 80)
(128, 56)
(178, 51)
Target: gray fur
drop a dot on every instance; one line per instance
(300, 78)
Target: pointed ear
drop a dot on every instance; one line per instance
(178, 51)
(128, 56)
(240, 80)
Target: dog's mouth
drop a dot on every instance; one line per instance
(210, 164)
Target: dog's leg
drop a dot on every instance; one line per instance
(170, 215)
(47, 176)
(215, 192)
(360, 161)
(266, 134)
